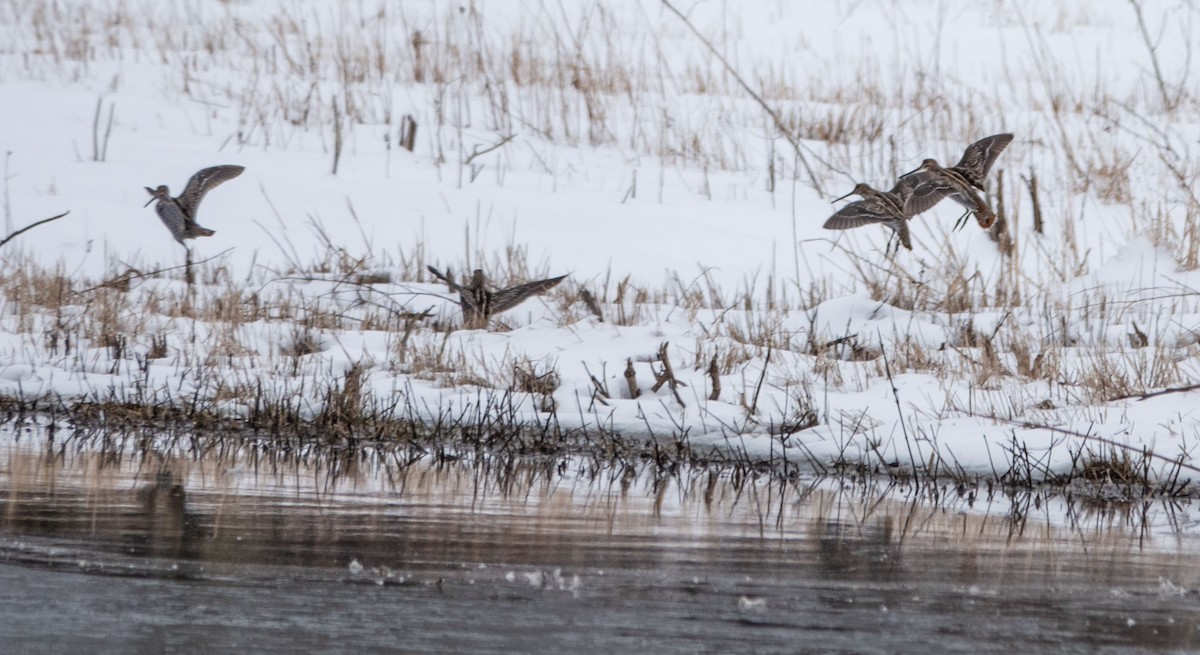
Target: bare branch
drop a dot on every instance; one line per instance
(134, 274)
(476, 152)
(1162, 84)
(667, 375)
(779, 124)
(31, 226)
(715, 375)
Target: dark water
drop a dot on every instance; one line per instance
(188, 549)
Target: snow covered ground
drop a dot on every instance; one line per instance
(603, 140)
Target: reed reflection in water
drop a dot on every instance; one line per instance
(657, 553)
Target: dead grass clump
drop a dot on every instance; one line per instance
(909, 354)
(345, 405)
(233, 305)
(989, 365)
(382, 277)
(29, 284)
(1106, 380)
(1109, 179)
(801, 411)
(301, 343)
(58, 338)
(157, 347)
(946, 283)
(848, 348)
(759, 330)
(110, 312)
(727, 360)
(435, 360)
(630, 302)
(274, 412)
(1043, 365)
(1166, 229)
(853, 123)
(534, 377)
(1113, 376)
(1112, 465)
(537, 378)
(225, 348)
(117, 346)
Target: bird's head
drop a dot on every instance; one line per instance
(159, 193)
(860, 189)
(927, 165)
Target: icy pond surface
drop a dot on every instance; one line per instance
(122, 546)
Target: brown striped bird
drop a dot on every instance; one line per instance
(179, 213)
(892, 209)
(961, 181)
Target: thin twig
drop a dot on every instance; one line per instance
(753, 94)
(1162, 85)
(7, 204)
(96, 129)
(337, 135)
(1029, 425)
(1161, 392)
(132, 274)
(1031, 182)
(408, 132)
(715, 374)
(31, 226)
(107, 133)
(753, 408)
(887, 368)
(667, 376)
(476, 152)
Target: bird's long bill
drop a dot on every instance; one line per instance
(843, 197)
(152, 196)
(913, 171)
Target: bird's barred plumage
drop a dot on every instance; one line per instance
(960, 181)
(891, 208)
(920, 190)
(178, 214)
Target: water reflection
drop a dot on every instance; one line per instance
(325, 509)
(859, 552)
(791, 555)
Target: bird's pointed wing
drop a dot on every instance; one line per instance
(919, 192)
(506, 299)
(203, 182)
(858, 214)
(447, 277)
(978, 158)
(909, 185)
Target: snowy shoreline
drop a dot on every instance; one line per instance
(634, 163)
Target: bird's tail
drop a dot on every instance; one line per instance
(203, 231)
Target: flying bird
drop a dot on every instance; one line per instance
(960, 181)
(479, 303)
(892, 209)
(179, 213)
